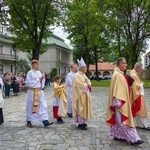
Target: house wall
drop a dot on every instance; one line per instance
(6, 47)
(56, 57)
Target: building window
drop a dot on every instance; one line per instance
(12, 68)
(1, 48)
(59, 55)
(65, 69)
(1, 67)
(11, 51)
(1, 29)
(147, 60)
(68, 69)
(59, 72)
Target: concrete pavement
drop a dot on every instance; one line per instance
(14, 135)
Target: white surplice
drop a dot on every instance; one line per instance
(68, 83)
(32, 81)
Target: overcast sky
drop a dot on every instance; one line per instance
(59, 32)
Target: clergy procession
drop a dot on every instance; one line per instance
(126, 110)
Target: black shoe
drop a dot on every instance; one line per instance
(60, 121)
(137, 143)
(29, 124)
(69, 115)
(48, 124)
(119, 139)
(85, 124)
(82, 127)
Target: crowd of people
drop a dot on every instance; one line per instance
(126, 105)
(13, 81)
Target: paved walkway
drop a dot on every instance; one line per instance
(14, 135)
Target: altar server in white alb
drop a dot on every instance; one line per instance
(68, 80)
(36, 104)
(1, 102)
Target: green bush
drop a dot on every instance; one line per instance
(53, 73)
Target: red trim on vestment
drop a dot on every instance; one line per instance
(127, 82)
(136, 106)
(55, 111)
(90, 89)
(112, 119)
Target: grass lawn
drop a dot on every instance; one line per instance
(146, 83)
(103, 83)
(106, 83)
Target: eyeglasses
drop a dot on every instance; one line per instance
(123, 62)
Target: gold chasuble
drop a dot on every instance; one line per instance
(81, 101)
(137, 100)
(59, 91)
(119, 89)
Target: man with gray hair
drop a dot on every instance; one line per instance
(119, 115)
(139, 110)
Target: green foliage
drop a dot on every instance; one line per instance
(106, 83)
(129, 27)
(30, 21)
(22, 66)
(86, 24)
(53, 72)
(82, 22)
(108, 28)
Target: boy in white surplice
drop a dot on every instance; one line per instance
(36, 104)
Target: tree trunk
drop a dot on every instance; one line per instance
(35, 54)
(96, 65)
(87, 57)
(134, 55)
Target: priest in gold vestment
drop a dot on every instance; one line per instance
(139, 109)
(81, 96)
(119, 115)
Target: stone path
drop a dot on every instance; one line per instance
(14, 135)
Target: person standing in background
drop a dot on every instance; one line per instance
(7, 84)
(14, 85)
(1, 75)
(1, 102)
(68, 84)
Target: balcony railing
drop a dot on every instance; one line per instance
(8, 57)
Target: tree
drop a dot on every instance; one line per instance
(129, 23)
(84, 23)
(29, 21)
(53, 73)
(77, 23)
(22, 66)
